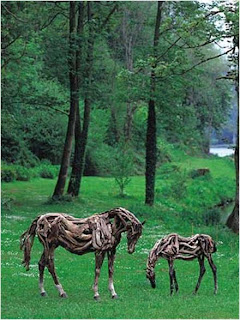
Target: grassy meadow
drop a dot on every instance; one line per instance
(182, 203)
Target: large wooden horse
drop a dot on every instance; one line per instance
(99, 233)
(174, 246)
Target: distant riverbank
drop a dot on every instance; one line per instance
(222, 150)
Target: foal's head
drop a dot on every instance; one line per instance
(150, 274)
(134, 231)
(207, 244)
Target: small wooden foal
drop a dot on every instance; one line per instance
(173, 247)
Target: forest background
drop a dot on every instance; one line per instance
(95, 95)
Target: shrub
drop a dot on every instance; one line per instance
(168, 169)
(195, 173)
(212, 217)
(22, 173)
(122, 167)
(48, 171)
(6, 201)
(8, 173)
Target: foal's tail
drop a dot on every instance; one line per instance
(26, 243)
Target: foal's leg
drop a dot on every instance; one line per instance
(51, 269)
(171, 275)
(202, 271)
(214, 270)
(99, 257)
(111, 258)
(175, 280)
(41, 267)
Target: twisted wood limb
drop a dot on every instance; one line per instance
(214, 270)
(51, 269)
(171, 275)
(111, 258)
(202, 271)
(175, 280)
(41, 267)
(99, 257)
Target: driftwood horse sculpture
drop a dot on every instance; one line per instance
(99, 233)
(173, 247)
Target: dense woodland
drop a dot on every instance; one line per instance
(104, 88)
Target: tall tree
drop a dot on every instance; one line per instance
(82, 134)
(131, 27)
(74, 102)
(151, 145)
(232, 19)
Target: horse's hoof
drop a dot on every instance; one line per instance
(97, 298)
(43, 294)
(63, 295)
(115, 296)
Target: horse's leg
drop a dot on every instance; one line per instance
(171, 275)
(111, 258)
(99, 257)
(51, 269)
(202, 271)
(41, 267)
(175, 280)
(214, 270)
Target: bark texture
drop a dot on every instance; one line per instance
(151, 140)
(81, 135)
(233, 219)
(74, 104)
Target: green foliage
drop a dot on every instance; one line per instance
(122, 167)
(16, 172)
(47, 171)
(8, 173)
(164, 150)
(22, 173)
(6, 201)
(212, 217)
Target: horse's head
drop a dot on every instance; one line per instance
(134, 231)
(207, 244)
(150, 274)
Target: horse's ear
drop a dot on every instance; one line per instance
(143, 222)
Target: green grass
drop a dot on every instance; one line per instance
(20, 294)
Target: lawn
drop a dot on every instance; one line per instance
(20, 293)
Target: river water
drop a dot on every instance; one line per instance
(222, 151)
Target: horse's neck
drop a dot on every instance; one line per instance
(153, 257)
(119, 226)
(122, 216)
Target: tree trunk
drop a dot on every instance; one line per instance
(151, 140)
(129, 121)
(81, 136)
(59, 189)
(233, 219)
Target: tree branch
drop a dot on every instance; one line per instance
(11, 42)
(12, 14)
(203, 61)
(108, 16)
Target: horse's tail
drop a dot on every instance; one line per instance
(26, 243)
